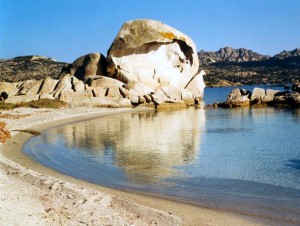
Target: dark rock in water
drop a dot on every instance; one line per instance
(29, 67)
(289, 99)
(296, 87)
(90, 64)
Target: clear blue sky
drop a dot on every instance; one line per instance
(67, 29)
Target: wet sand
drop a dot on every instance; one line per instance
(31, 194)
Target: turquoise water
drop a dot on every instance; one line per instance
(243, 160)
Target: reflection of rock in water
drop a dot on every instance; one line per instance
(147, 146)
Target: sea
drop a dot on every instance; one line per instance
(243, 160)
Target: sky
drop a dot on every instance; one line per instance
(67, 29)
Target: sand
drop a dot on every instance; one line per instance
(31, 194)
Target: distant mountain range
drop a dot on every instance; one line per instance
(229, 54)
(225, 67)
(229, 66)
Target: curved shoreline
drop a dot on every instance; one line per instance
(146, 209)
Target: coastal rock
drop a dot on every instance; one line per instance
(148, 54)
(25, 86)
(269, 97)
(291, 99)
(296, 87)
(104, 82)
(10, 88)
(48, 85)
(34, 89)
(90, 64)
(238, 97)
(258, 95)
(63, 85)
(76, 98)
(112, 87)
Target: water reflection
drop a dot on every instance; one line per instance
(146, 146)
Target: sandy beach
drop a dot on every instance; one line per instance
(31, 194)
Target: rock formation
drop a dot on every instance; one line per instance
(241, 97)
(90, 64)
(148, 63)
(153, 58)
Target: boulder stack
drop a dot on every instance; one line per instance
(148, 63)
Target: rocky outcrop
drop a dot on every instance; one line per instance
(90, 64)
(148, 63)
(259, 96)
(151, 57)
(29, 67)
(237, 98)
(231, 55)
(287, 99)
(263, 96)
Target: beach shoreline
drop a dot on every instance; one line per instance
(64, 200)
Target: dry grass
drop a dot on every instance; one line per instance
(4, 134)
(43, 103)
(14, 116)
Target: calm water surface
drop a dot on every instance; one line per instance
(243, 160)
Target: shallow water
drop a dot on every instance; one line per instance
(243, 160)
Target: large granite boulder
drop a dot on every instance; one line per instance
(239, 97)
(90, 64)
(151, 55)
(263, 96)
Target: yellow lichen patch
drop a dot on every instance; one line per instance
(171, 36)
(168, 35)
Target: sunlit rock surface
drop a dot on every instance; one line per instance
(156, 55)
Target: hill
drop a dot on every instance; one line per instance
(241, 66)
(29, 67)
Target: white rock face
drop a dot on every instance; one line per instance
(156, 55)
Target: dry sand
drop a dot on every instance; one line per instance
(31, 194)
